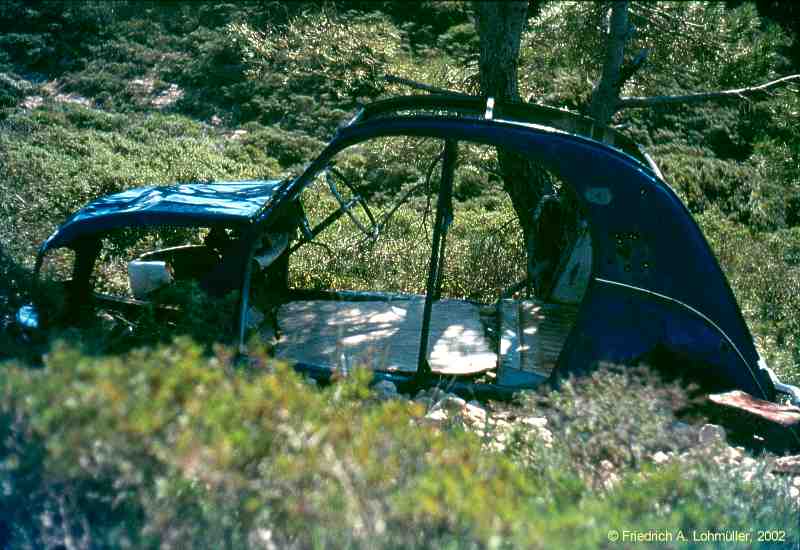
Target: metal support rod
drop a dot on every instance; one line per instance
(447, 219)
(310, 234)
(244, 298)
(443, 203)
(87, 251)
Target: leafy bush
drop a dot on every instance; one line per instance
(168, 448)
(323, 52)
(290, 149)
(623, 416)
(11, 90)
(764, 272)
(703, 180)
(267, 456)
(179, 446)
(58, 158)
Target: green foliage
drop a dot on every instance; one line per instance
(622, 416)
(169, 448)
(460, 41)
(398, 261)
(703, 180)
(308, 72)
(610, 425)
(11, 90)
(178, 446)
(57, 158)
(394, 174)
(764, 272)
(291, 149)
(323, 52)
(198, 454)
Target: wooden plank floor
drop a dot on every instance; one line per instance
(533, 334)
(385, 335)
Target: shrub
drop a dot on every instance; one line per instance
(57, 158)
(764, 274)
(192, 453)
(168, 448)
(323, 52)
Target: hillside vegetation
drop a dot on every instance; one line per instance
(148, 433)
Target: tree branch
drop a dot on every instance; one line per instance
(721, 95)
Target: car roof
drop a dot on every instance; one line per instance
(462, 106)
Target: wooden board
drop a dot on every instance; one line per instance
(533, 334)
(777, 425)
(384, 335)
(573, 279)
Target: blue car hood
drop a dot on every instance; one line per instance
(231, 203)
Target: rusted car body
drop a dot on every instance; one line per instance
(653, 284)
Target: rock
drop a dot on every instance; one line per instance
(385, 390)
(539, 425)
(437, 415)
(73, 98)
(711, 433)
(734, 454)
(660, 457)
(727, 455)
(167, 97)
(452, 402)
(534, 421)
(787, 465)
(500, 425)
(501, 437)
(236, 134)
(474, 414)
(607, 474)
(145, 85)
(32, 102)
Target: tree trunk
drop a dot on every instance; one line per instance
(605, 95)
(500, 26)
(548, 224)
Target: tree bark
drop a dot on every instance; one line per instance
(606, 101)
(500, 26)
(605, 96)
(529, 185)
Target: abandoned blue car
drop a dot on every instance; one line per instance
(639, 279)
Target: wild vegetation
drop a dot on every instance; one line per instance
(121, 433)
